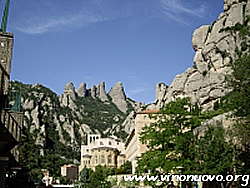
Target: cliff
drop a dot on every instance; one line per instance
(215, 45)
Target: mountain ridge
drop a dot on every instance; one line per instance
(66, 119)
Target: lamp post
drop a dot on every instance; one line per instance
(180, 168)
(103, 184)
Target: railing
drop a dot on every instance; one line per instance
(13, 123)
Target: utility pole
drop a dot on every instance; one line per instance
(5, 16)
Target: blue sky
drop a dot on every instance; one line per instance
(137, 42)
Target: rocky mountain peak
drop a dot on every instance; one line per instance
(229, 3)
(161, 90)
(93, 91)
(81, 91)
(118, 96)
(215, 47)
(116, 93)
(101, 93)
(69, 88)
(69, 95)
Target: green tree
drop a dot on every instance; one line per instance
(30, 158)
(237, 101)
(214, 155)
(170, 140)
(98, 178)
(239, 82)
(126, 168)
(171, 143)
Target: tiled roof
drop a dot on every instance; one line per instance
(149, 112)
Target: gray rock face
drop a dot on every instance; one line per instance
(69, 89)
(101, 93)
(228, 3)
(81, 91)
(204, 83)
(161, 90)
(68, 96)
(198, 40)
(118, 96)
(96, 91)
(129, 122)
(93, 91)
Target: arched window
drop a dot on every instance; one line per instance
(96, 159)
(103, 159)
(109, 159)
(110, 143)
(101, 143)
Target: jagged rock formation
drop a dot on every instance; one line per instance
(69, 89)
(70, 99)
(98, 92)
(101, 93)
(118, 96)
(161, 90)
(215, 47)
(93, 91)
(82, 91)
(69, 95)
(129, 122)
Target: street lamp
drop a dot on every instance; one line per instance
(103, 184)
(180, 168)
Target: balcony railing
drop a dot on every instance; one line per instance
(13, 123)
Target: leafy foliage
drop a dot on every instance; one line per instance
(238, 99)
(171, 143)
(237, 102)
(126, 168)
(170, 139)
(98, 177)
(213, 154)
